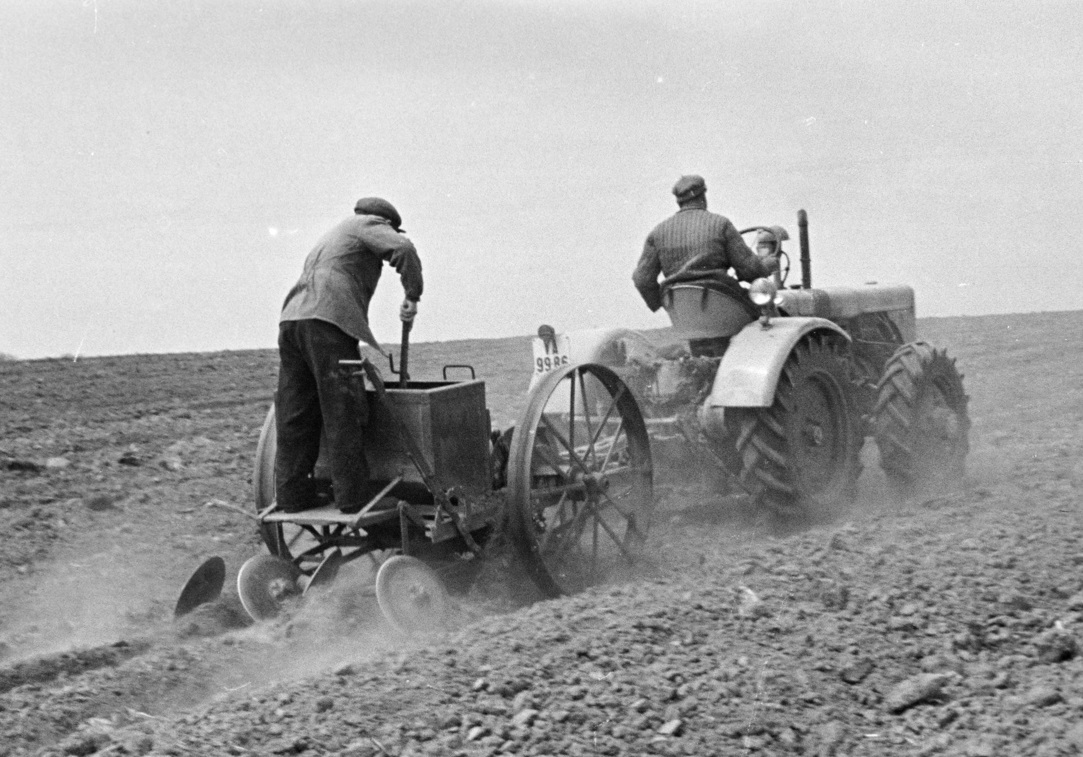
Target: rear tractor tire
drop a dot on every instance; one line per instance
(922, 425)
(799, 457)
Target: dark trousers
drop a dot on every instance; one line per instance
(316, 394)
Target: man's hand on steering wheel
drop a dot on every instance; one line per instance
(777, 235)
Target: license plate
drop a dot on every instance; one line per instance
(552, 354)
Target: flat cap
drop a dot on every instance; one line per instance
(689, 187)
(378, 206)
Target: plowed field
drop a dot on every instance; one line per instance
(945, 624)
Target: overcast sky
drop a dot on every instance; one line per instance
(167, 166)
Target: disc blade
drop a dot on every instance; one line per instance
(411, 596)
(325, 572)
(265, 583)
(204, 586)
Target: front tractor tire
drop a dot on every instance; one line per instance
(799, 458)
(922, 425)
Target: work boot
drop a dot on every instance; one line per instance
(302, 495)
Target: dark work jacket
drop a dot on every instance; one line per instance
(683, 236)
(341, 273)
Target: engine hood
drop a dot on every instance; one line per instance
(836, 303)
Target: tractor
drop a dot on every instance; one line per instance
(778, 385)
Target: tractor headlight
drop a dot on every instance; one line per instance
(762, 292)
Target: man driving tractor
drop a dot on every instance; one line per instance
(694, 244)
(693, 232)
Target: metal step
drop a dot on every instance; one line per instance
(331, 515)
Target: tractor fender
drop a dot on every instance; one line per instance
(750, 368)
(604, 346)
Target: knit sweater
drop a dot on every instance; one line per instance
(686, 234)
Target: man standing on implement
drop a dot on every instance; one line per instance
(323, 319)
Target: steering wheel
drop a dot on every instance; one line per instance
(783, 258)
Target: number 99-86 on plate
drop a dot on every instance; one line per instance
(552, 354)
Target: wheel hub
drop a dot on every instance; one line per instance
(419, 596)
(280, 588)
(819, 433)
(595, 484)
(814, 435)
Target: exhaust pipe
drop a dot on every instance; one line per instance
(806, 261)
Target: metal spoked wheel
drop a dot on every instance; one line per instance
(284, 540)
(580, 479)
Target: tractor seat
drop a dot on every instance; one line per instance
(705, 305)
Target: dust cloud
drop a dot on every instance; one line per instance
(79, 601)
